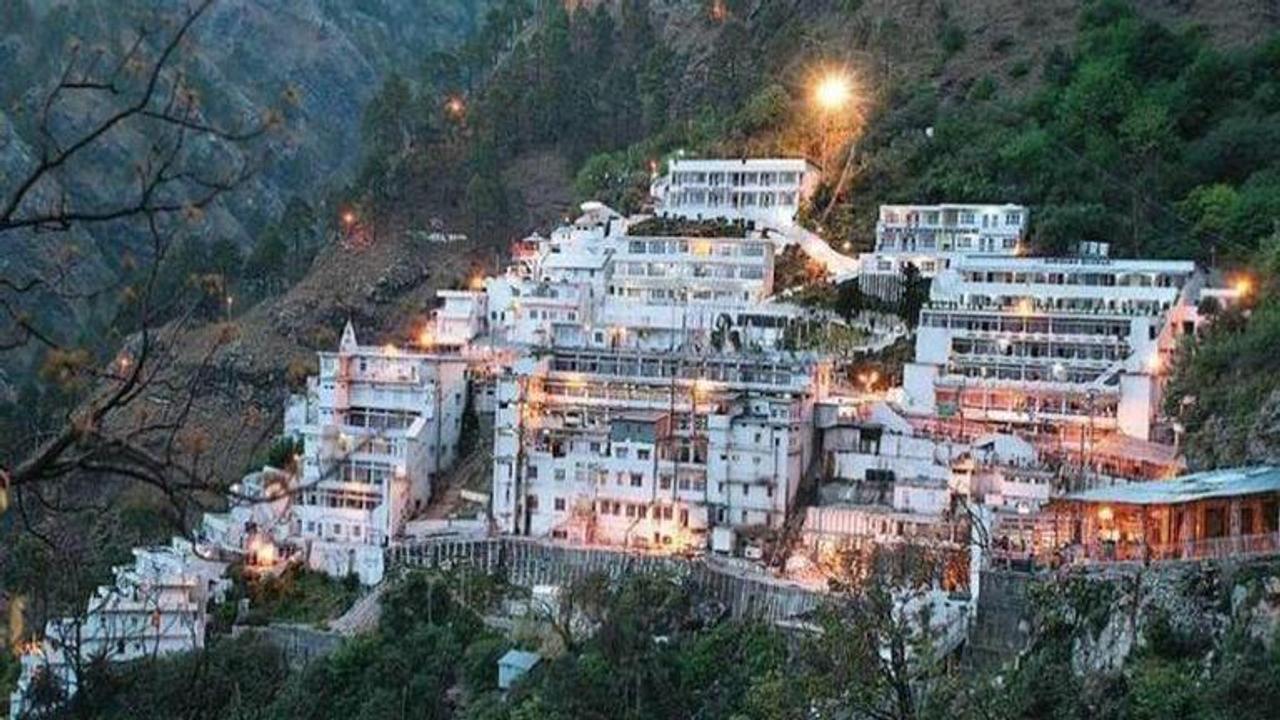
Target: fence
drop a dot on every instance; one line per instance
(1233, 546)
(527, 562)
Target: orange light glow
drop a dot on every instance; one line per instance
(833, 91)
(262, 553)
(1243, 286)
(455, 106)
(425, 337)
(390, 349)
(1025, 307)
(476, 282)
(348, 218)
(1105, 514)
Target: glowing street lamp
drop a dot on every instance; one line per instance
(348, 218)
(833, 91)
(1243, 286)
(455, 107)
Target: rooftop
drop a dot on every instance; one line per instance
(520, 659)
(1060, 264)
(757, 164)
(1231, 482)
(681, 227)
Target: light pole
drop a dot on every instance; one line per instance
(831, 94)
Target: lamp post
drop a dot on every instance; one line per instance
(832, 94)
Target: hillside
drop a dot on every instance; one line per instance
(602, 91)
(599, 94)
(314, 62)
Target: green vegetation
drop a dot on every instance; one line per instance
(645, 647)
(1141, 136)
(679, 227)
(1225, 387)
(296, 596)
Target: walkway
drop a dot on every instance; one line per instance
(841, 267)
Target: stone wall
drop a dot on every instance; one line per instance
(1002, 627)
(529, 562)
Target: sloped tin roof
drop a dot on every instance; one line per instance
(1208, 485)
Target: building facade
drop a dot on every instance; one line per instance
(154, 607)
(769, 191)
(378, 425)
(931, 237)
(646, 284)
(1210, 515)
(625, 447)
(1075, 348)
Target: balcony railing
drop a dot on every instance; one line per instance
(1235, 546)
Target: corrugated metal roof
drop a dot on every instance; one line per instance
(1188, 488)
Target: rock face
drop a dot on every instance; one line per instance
(1108, 615)
(315, 61)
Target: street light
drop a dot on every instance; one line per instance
(832, 91)
(456, 107)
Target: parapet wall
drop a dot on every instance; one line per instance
(529, 562)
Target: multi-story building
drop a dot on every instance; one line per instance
(931, 237)
(1068, 349)
(652, 449)
(651, 283)
(378, 426)
(459, 319)
(769, 191)
(154, 607)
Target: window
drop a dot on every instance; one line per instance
(621, 453)
(664, 482)
(637, 480)
(642, 454)
(532, 472)
(559, 474)
(532, 502)
(559, 504)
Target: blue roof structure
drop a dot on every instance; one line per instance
(1233, 482)
(520, 659)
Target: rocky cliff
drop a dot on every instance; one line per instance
(315, 62)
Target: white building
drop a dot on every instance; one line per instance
(459, 319)
(1071, 348)
(378, 426)
(931, 237)
(769, 191)
(154, 607)
(651, 449)
(645, 283)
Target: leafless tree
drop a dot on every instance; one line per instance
(142, 91)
